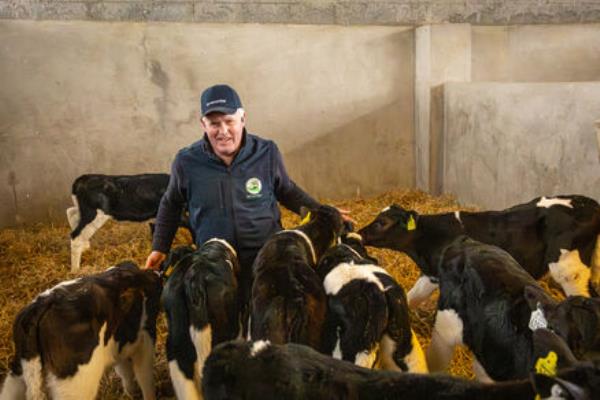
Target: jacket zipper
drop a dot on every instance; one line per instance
(232, 208)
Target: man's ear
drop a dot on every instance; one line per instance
(203, 122)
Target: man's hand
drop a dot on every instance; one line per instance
(346, 215)
(155, 259)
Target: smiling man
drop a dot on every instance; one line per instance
(231, 181)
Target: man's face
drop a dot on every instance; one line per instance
(224, 133)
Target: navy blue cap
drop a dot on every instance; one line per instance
(220, 98)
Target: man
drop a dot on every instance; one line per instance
(231, 181)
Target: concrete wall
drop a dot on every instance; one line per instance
(121, 98)
(541, 53)
(465, 53)
(505, 143)
(343, 12)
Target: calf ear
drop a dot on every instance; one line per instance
(304, 215)
(411, 220)
(550, 387)
(348, 227)
(545, 342)
(535, 296)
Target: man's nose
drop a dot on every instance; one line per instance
(222, 128)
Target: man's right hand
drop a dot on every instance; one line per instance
(155, 259)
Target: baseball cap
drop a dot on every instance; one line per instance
(220, 98)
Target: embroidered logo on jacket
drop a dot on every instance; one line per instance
(253, 187)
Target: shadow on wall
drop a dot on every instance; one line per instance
(368, 155)
(598, 136)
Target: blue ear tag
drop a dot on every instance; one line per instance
(306, 219)
(411, 225)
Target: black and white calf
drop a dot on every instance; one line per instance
(264, 371)
(368, 318)
(288, 302)
(201, 302)
(560, 234)
(70, 334)
(483, 305)
(98, 198)
(576, 320)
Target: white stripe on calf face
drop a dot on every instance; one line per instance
(549, 202)
(184, 388)
(346, 272)
(259, 346)
(571, 273)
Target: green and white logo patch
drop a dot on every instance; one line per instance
(253, 186)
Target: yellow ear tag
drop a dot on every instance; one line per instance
(411, 225)
(306, 219)
(546, 366)
(169, 271)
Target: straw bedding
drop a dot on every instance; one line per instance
(37, 257)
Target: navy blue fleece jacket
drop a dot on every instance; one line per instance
(237, 202)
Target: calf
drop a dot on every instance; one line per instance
(560, 234)
(98, 198)
(368, 315)
(71, 333)
(264, 371)
(201, 302)
(288, 303)
(576, 320)
(483, 305)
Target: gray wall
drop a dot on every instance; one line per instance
(518, 54)
(506, 143)
(343, 12)
(122, 98)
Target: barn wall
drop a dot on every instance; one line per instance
(519, 54)
(510, 142)
(121, 98)
(540, 53)
(343, 12)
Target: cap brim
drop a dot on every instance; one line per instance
(224, 110)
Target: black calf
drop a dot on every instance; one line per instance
(201, 302)
(288, 301)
